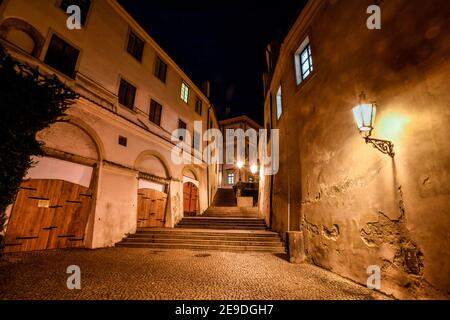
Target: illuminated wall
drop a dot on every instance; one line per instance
(356, 206)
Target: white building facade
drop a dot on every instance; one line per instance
(108, 168)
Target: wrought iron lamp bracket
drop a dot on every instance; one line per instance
(386, 147)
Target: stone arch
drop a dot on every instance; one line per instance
(79, 138)
(17, 25)
(152, 162)
(190, 172)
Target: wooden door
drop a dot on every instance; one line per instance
(48, 214)
(190, 199)
(152, 206)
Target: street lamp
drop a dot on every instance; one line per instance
(364, 114)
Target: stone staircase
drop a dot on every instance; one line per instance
(220, 228)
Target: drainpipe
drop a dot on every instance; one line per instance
(207, 165)
(271, 176)
(289, 204)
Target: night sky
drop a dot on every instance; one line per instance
(220, 41)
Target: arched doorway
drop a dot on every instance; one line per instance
(152, 191)
(55, 199)
(190, 193)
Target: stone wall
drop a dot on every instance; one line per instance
(356, 206)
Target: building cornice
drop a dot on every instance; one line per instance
(240, 119)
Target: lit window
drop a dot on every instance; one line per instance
(185, 92)
(303, 62)
(279, 103)
(231, 179)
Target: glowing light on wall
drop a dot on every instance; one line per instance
(392, 125)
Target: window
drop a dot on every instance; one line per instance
(182, 125)
(198, 106)
(231, 179)
(83, 4)
(279, 103)
(123, 141)
(62, 56)
(155, 112)
(184, 92)
(135, 46)
(127, 94)
(197, 140)
(303, 62)
(161, 70)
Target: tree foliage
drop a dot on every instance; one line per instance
(29, 102)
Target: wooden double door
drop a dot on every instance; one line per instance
(190, 199)
(48, 214)
(152, 206)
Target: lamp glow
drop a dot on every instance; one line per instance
(254, 169)
(240, 164)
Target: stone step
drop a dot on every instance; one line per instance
(205, 242)
(202, 247)
(203, 237)
(222, 221)
(217, 227)
(206, 233)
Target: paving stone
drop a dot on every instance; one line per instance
(140, 274)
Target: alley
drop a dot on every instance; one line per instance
(123, 273)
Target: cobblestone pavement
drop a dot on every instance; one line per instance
(122, 273)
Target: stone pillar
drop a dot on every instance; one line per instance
(295, 246)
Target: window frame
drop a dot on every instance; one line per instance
(129, 84)
(279, 103)
(199, 109)
(152, 115)
(182, 125)
(131, 34)
(66, 44)
(232, 177)
(302, 75)
(185, 90)
(157, 72)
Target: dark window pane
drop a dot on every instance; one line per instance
(155, 112)
(135, 46)
(199, 106)
(161, 70)
(62, 56)
(127, 94)
(182, 125)
(123, 141)
(83, 4)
